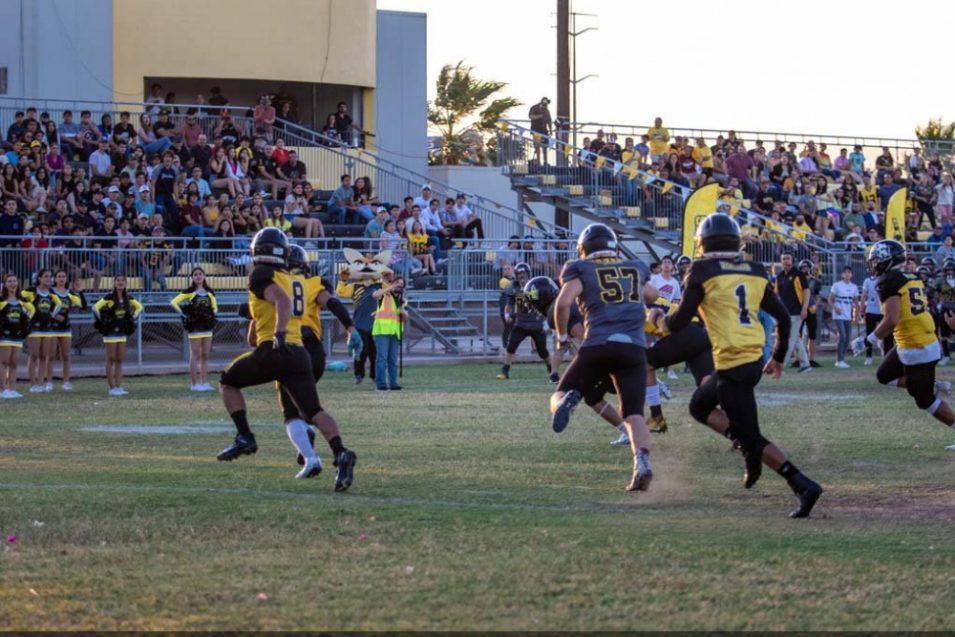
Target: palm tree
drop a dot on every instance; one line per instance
(463, 113)
(937, 138)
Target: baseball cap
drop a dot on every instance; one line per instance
(425, 187)
(144, 189)
(113, 189)
(381, 209)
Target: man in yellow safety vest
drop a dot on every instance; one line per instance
(387, 333)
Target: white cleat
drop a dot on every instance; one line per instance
(943, 361)
(622, 441)
(868, 361)
(672, 375)
(842, 365)
(67, 387)
(313, 467)
(36, 389)
(950, 448)
(193, 387)
(121, 392)
(943, 388)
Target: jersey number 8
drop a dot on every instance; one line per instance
(298, 299)
(611, 288)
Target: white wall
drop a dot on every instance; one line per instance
(58, 49)
(488, 182)
(401, 91)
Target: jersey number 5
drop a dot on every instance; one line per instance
(744, 318)
(611, 288)
(298, 299)
(917, 300)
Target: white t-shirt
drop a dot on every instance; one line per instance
(845, 294)
(872, 303)
(668, 288)
(946, 195)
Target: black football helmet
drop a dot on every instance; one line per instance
(719, 233)
(298, 259)
(270, 245)
(805, 263)
(541, 292)
(928, 262)
(885, 255)
(522, 272)
(683, 262)
(949, 266)
(923, 271)
(597, 240)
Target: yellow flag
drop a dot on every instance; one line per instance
(600, 162)
(504, 127)
(667, 186)
(537, 138)
(895, 216)
(568, 150)
(700, 205)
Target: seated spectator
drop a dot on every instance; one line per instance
(246, 221)
(945, 251)
(264, 173)
(365, 198)
(276, 219)
(202, 186)
(263, 117)
(152, 144)
(279, 153)
(296, 211)
(294, 170)
(191, 220)
(342, 202)
(68, 134)
(390, 239)
(101, 163)
(376, 226)
(345, 125)
(220, 175)
(466, 221)
(420, 250)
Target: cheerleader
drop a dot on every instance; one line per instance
(116, 315)
(61, 333)
(15, 315)
(40, 345)
(197, 306)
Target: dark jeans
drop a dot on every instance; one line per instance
(368, 355)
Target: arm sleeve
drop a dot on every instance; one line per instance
(341, 313)
(775, 308)
(215, 304)
(179, 300)
(137, 307)
(260, 279)
(98, 306)
(57, 305)
(889, 287)
(30, 309)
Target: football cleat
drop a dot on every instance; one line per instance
(808, 492)
(345, 474)
(311, 469)
(503, 376)
(868, 361)
(943, 388)
(565, 408)
(657, 424)
(622, 441)
(300, 459)
(665, 390)
(243, 445)
(672, 375)
(555, 378)
(754, 469)
(642, 475)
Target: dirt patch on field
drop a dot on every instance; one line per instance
(926, 502)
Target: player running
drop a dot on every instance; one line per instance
(610, 292)
(524, 322)
(276, 305)
(727, 292)
(316, 297)
(911, 362)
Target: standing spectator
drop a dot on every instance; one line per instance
(330, 135)
(659, 139)
(164, 187)
(944, 197)
(740, 166)
(886, 190)
(843, 297)
(884, 165)
(190, 131)
(857, 160)
(667, 285)
(263, 117)
(155, 99)
(542, 125)
(872, 308)
(345, 125)
(924, 193)
(792, 287)
(157, 256)
(387, 332)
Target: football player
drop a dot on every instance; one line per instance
(945, 291)
(610, 292)
(316, 297)
(811, 325)
(911, 362)
(277, 305)
(524, 322)
(727, 292)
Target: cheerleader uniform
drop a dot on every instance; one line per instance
(46, 305)
(198, 310)
(114, 320)
(69, 301)
(15, 317)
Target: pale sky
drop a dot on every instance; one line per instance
(830, 67)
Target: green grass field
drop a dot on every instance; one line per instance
(469, 513)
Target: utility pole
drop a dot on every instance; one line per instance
(563, 60)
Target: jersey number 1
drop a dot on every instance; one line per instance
(744, 318)
(298, 299)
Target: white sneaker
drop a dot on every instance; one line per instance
(312, 468)
(665, 392)
(48, 387)
(121, 391)
(672, 375)
(868, 361)
(943, 387)
(114, 392)
(842, 365)
(194, 388)
(67, 387)
(36, 389)
(206, 387)
(7, 394)
(15, 394)
(943, 361)
(622, 441)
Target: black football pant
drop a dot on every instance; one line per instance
(368, 355)
(919, 379)
(734, 390)
(623, 363)
(316, 354)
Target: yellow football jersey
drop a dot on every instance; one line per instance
(312, 318)
(732, 294)
(650, 327)
(915, 328)
(263, 311)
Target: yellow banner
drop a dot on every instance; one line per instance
(700, 205)
(600, 162)
(895, 216)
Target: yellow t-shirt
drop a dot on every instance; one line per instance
(659, 138)
(703, 156)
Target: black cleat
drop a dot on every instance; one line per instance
(555, 378)
(300, 459)
(808, 492)
(345, 475)
(814, 364)
(565, 408)
(395, 388)
(243, 445)
(754, 469)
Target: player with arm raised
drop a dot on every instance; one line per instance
(610, 294)
(727, 292)
(276, 306)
